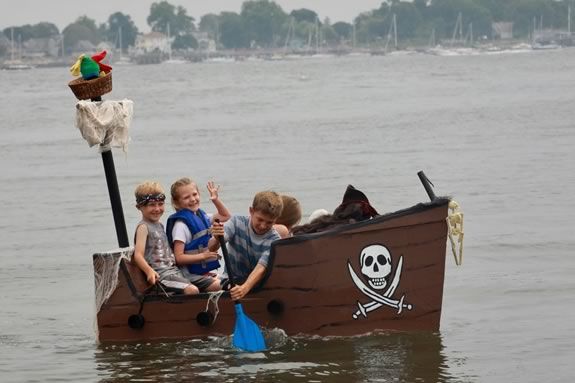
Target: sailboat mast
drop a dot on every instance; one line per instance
(569, 18)
(169, 43)
(12, 44)
(120, 40)
(395, 30)
(20, 46)
(316, 35)
(457, 29)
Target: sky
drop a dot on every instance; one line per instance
(64, 12)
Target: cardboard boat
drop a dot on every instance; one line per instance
(386, 273)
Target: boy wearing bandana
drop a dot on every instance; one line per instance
(152, 252)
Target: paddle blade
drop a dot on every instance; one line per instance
(247, 334)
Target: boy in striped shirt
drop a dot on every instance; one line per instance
(249, 240)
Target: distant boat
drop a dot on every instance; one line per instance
(542, 46)
(170, 59)
(122, 60)
(16, 65)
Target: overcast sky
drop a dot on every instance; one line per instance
(64, 12)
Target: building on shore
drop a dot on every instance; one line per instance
(151, 48)
(502, 30)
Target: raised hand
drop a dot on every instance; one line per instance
(213, 190)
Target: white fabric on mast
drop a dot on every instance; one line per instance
(105, 123)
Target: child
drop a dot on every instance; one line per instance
(188, 231)
(152, 254)
(290, 216)
(249, 240)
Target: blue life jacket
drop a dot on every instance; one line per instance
(199, 224)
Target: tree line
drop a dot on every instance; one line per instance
(264, 24)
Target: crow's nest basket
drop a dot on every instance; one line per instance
(88, 89)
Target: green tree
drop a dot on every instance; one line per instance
(210, 24)
(471, 11)
(185, 42)
(408, 19)
(83, 28)
(530, 14)
(120, 21)
(232, 32)
(343, 30)
(304, 14)
(163, 14)
(45, 29)
(263, 21)
(184, 24)
(21, 33)
(328, 34)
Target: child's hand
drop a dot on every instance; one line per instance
(152, 277)
(211, 256)
(238, 292)
(213, 189)
(217, 229)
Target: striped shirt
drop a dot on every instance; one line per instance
(246, 249)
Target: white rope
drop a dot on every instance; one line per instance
(214, 297)
(106, 269)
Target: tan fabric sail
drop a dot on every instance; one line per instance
(105, 123)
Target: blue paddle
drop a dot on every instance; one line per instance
(247, 334)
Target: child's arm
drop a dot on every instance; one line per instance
(223, 213)
(185, 259)
(139, 249)
(239, 291)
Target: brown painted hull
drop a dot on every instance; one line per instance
(309, 288)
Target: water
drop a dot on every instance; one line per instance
(495, 132)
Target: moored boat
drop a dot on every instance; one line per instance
(386, 273)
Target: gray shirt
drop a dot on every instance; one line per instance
(158, 253)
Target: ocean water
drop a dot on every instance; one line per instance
(495, 132)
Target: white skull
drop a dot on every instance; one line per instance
(375, 263)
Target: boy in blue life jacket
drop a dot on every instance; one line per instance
(188, 231)
(249, 240)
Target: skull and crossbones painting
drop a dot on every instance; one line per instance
(376, 267)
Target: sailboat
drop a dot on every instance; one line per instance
(171, 60)
(393, 27)
(15, 64)
(122, 60)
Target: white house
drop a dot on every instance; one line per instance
(152, 42)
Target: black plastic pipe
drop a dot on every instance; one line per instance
(114, 192)
(426, 184)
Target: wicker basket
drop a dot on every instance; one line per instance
(87, 89)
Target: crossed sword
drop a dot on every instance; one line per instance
(378, 299)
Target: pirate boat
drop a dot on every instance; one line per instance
(385, 273)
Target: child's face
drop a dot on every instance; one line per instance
(188, 197)
(261, 222)
(152, 211)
